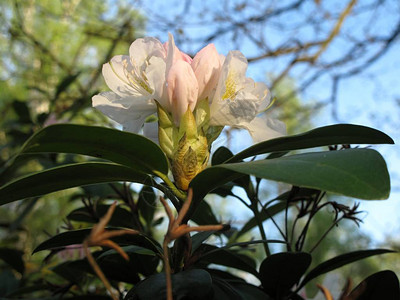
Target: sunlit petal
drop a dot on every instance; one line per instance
(131, 118)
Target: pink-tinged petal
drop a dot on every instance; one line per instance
(141, 49)
(183, 55)
(130, 117)
(186, 57)
(173, 53)
(206, 66)
(182, 89)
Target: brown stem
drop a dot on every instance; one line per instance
(98, 271)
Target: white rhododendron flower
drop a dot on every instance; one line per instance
(193, 98)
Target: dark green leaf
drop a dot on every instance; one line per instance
(206, 181)
(147, 204)
(340, 261)
(199, 238)
(209, 254)
(69, 273)
(68, 176)
(13, 258)
(74, 237)
(227, 287)
(8, 282)
(120, 218)
(129, 250)
(192, 284)
(359, 173)
(114, 268)
(125, 148)
(204, 215)
(280, 272)
(22, 111)
(221, 155)
(381, 285)
(324, 136)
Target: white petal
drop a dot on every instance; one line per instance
(114, 74)
(155, 74)
(131, 118)
(141, 49)
(150, 130)
(263, 128)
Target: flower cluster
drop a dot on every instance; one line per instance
(194, 98)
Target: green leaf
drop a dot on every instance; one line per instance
(280, 272)
(199, 238)
(128, 250)
(8, 282)
(205, 182)
(341, 260)
(147, 203)
(74, 237)
(124, 148)
(359, 173)
(68, 176)
(381, 285)
(22, 111)
(13, 258)
(210, 254)
(120, 218)
(221, 155)
(228, 287)
(324, 136)
(204, 215)
(192, 284)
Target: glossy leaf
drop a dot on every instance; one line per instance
(324, 136)
(205, 182)
(120, 218)
(68, 176)
(147, 204)
(280, 272)
(121, 147)
(210, 254)
(199, 238)
(341, 260)
(231, 290)
(359, 173)
(204, 215)
(381, 285)
(128, 250)
(221, 155)
(192, 284)
(74, 237)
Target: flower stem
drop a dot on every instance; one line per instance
(98, 271)
(178, 193)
